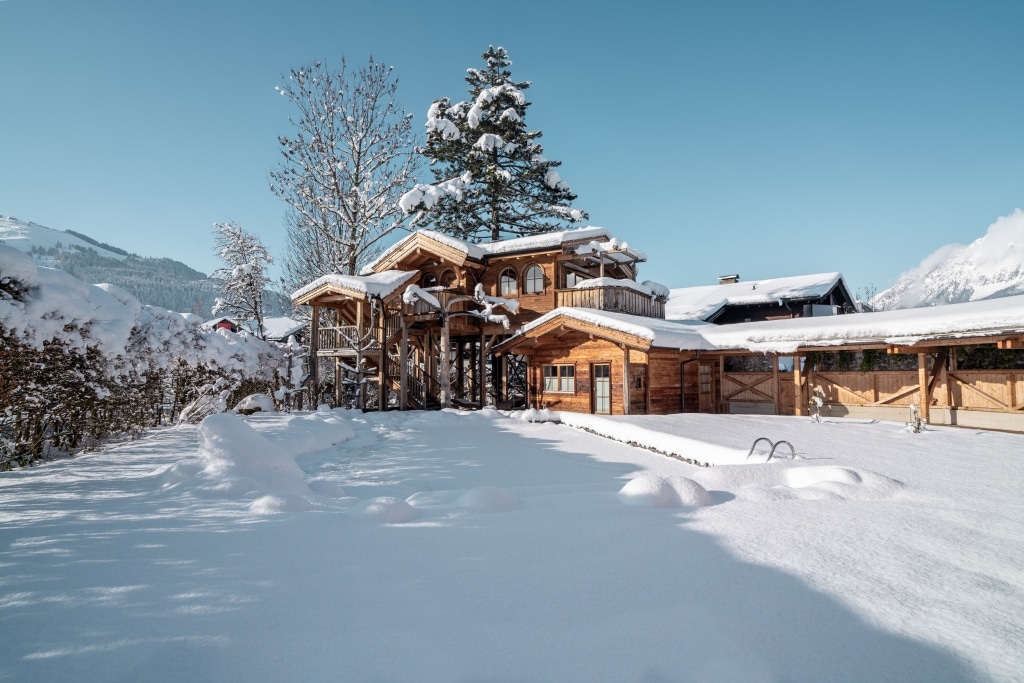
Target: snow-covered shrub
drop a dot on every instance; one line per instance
(86, 362)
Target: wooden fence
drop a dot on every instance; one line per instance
(1000, 391)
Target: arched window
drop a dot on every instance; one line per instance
(428, 280)
(507, 283)
(534, 280)
(448, 278)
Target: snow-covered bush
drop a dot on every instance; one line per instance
(85, 362)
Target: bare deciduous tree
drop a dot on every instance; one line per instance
(346, 167)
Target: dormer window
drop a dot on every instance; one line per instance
(534, 280)
(507, 285)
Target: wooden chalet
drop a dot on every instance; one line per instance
(424, 325)
(436, 349)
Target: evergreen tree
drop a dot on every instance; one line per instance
(492, 180)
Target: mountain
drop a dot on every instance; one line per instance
(991, 266)
(156, 281)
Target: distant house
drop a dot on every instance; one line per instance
(733, 301)
(280, 328)
(221, 324)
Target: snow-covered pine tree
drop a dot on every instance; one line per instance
(244, 273)
(492, 180)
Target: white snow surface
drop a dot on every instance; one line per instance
(990, 266)
(700, 303)
(481, 546)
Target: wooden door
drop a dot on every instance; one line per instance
(601, 388)
(706, 387)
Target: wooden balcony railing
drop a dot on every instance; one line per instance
(615, 299)
(343, 338)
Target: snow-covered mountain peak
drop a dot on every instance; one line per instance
(989, 267)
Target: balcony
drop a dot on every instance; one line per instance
(615, 299)
(342, 341)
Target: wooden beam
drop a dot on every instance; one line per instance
(800, 400)
(775, 383)
(314, 355)
(1009, 344)
(625, 379)
(922, 381)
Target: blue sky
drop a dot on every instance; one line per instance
(764, 138)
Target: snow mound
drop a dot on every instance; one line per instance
(664, 492)
(487, 499)
(778, 482)
(231, 450)
(327, 488)
(314, 432)
(840, 483)
(542, 415)
(803, 477)
(386, 510)
(255, 403)
(275, 503)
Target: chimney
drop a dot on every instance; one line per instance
(728, 279)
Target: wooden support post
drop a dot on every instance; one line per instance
(403, 368)
(799, 400)
(626, 379)
(382, 364)
(314, 356)
(337, 382)
(445, 369)
(922, 380)
(775, 384)
(483, 371)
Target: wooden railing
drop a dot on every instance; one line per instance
(615, 299)
(343, 337)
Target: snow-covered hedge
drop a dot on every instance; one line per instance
(83, 362)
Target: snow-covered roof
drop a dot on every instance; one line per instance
(542, 242)
(904, 327)
(277, 328)
(372, 284)
(701, 303)
(661, 333)
(482, 250)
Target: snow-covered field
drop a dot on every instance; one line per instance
(338, 546)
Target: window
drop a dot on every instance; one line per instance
(571, 278)
(507, 283)
(448, 278)
(428, 280)
(534, 280)
(560, 378)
